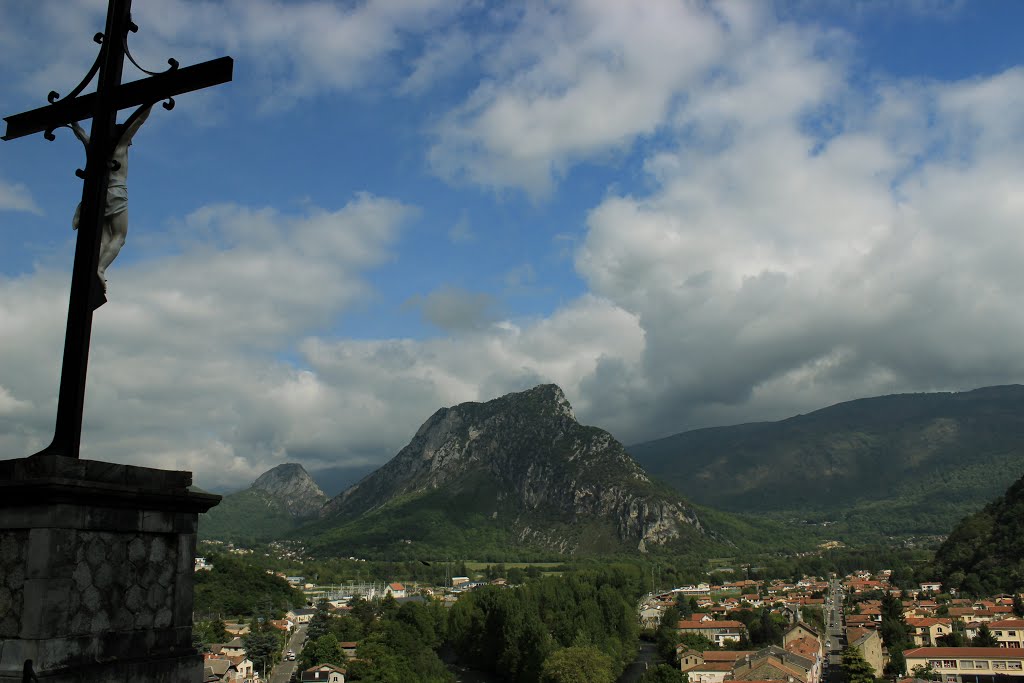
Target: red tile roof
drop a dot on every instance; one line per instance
(1007, 623)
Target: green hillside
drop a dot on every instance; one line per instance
(246, 517)
(473, 519)
(908, 464)
(984, 555)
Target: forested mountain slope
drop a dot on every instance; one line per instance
(984, 555)
(901, 464)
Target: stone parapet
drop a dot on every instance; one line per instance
(96, 571)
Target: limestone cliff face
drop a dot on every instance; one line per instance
(290, 485)
(549, 474)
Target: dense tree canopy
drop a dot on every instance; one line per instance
(663, 673)
(397, 643)
(513, 631)
(237, 588)
(984, 554)
(578, 665)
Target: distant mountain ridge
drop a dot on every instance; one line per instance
(515, 472)
(278, 501)
(899, 464)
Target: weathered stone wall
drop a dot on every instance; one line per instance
(96, 571)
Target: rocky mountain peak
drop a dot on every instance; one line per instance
(550, 474)
(545, 397)
(292, 485)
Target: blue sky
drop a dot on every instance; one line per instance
(684, 213)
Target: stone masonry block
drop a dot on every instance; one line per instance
(13, 653)
(51, 553)
(59, 652)
(96, 549)
(96, 571)
(163, 618)
(92, 600)
(114, 519)
(123, 619)
(186, 523)
(53, 515)
(82, 576)
(159, 550)
(186, 554)
(134, 599)
(12, 548)
(48, 616)
(159, 522)
(136, 550)
(144, 620)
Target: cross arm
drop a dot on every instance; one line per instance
(144, 91)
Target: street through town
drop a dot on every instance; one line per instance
(282, 673)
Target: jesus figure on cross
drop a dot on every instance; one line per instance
(115, 213)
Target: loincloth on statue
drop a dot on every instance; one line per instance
(117, 202)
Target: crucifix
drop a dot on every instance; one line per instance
(105, 147)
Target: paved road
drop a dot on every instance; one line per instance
(282, 673)
(835, 638)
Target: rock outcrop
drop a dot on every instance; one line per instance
(554, 480)
(292, 486)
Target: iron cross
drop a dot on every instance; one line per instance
(102, 106)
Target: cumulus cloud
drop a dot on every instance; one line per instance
(575, 80)
(294, 50)
(778, 269)
(399, 382)
(16, 197)
(189, 365)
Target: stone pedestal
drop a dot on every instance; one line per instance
(96, 571)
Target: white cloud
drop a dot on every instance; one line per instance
(775, 270)
(392, 383)
(290, 50)
(577, 80)
(16, 197)
(185, 369)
